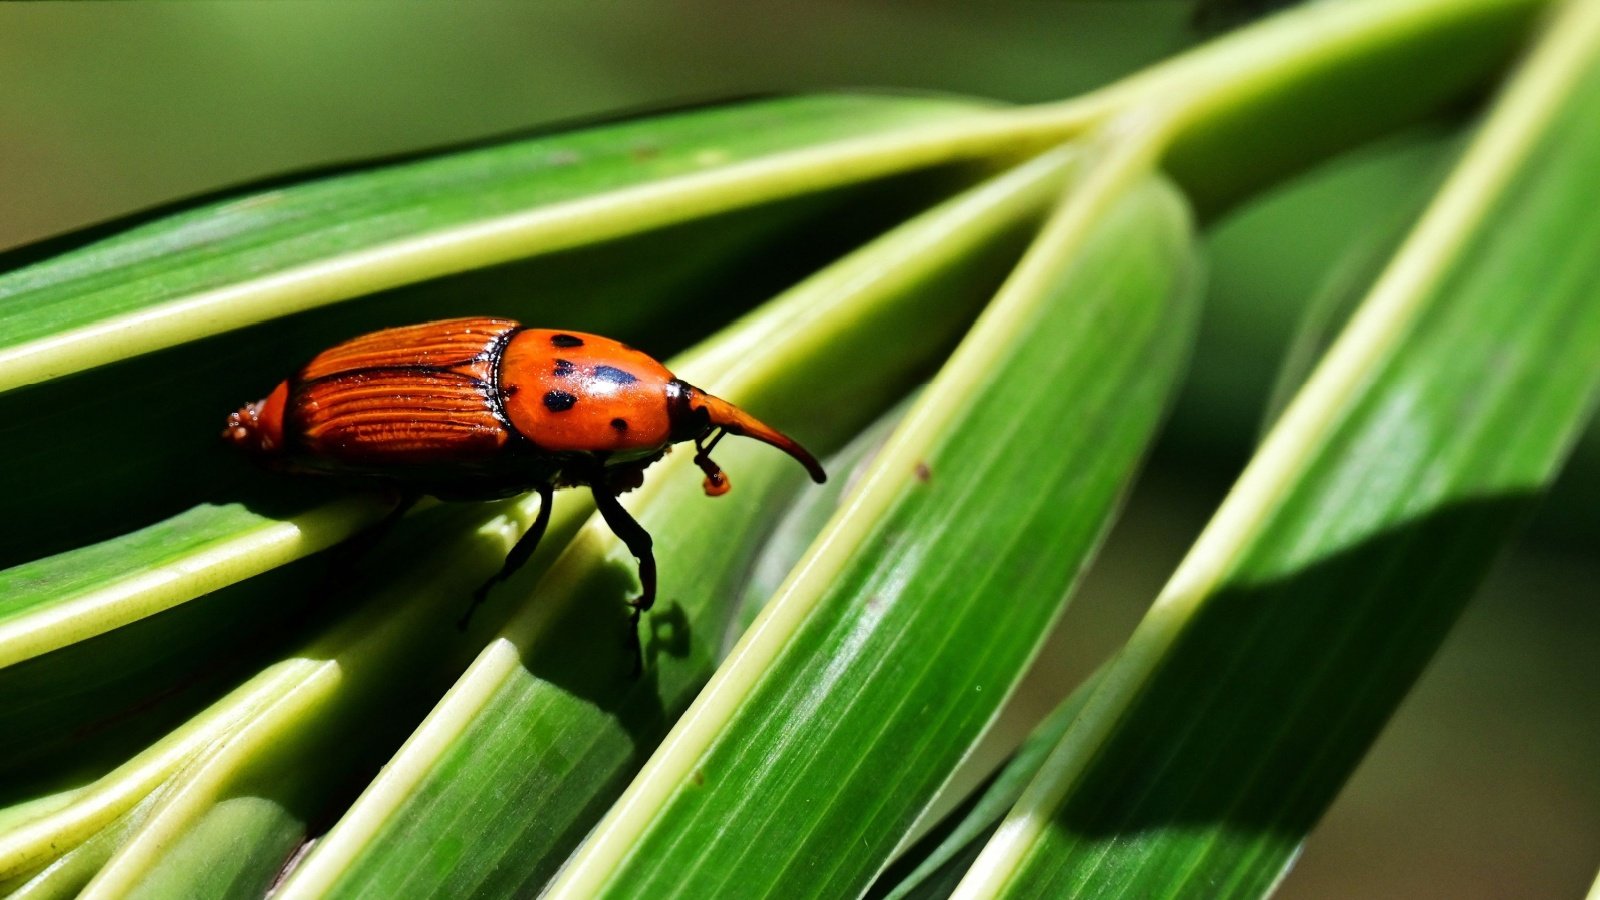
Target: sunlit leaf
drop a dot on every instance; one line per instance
(893, 643)
(934, 866)
(267, 254)
(199, 701)
(1346, 550)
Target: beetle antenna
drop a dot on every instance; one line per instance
(716, 479)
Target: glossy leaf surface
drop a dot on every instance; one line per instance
(896, 638)
(1351, 543)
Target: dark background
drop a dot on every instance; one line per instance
(1483, 786)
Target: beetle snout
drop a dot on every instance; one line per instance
(697, 414)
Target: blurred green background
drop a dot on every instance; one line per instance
(1484, 785)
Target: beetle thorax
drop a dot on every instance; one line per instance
(573, 392)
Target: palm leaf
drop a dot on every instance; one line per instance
(240, 698)
(947, 580)
(533, 791)
(1348, 547)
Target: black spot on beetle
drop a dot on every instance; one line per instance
(510, 390)
(559, 401)
(619, 424)
(613, 375)
(564, 368)
(566, 340)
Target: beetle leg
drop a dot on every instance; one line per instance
(351, 551)
(520, 552)
(344, 558)
(704, 447)
(638, 542)
(370, 538)
(716, 481)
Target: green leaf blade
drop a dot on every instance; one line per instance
(934, 865)
(1350, 546)
(663, 244)
(71, 597)
(257, 767)
(877, 691)
(238, 262)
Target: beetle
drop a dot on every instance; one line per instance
(484, 408)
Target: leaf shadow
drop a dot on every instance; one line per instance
(1270, 698)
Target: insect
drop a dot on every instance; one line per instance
(483, 408)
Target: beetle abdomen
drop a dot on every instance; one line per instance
(395, 417)
(418, 395)
(449, 344)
